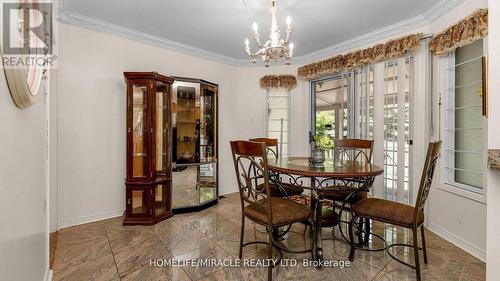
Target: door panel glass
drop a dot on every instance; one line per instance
(161, 127)
(139, 152)
(332, 111)
(397, 98)
(138, 202)
(207, 182)
(207, 125)
(161, 197)
(186, 130)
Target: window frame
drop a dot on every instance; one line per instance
(266, 121)
(448, 112)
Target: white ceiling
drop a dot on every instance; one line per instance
(220, 26)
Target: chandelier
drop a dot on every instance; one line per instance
(276, 47)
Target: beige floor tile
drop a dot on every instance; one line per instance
(231, 274)
(206, 252)
(149, 273)
(135, 247)
(74, 254)
(443, 265)
(106, 250)
(180, 242)
(99, 269)
(220, 229)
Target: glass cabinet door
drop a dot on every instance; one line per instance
(186, 104)
(207, 124)
(161, 125)
(207, 182)
(161, 198)
(138, 129)
(137, 202)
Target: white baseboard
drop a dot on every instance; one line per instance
(227, 191)
(88, 219)
(458, 241)
(49, 275)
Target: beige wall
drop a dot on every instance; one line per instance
(23, 189)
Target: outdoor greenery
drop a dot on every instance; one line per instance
(324, 129)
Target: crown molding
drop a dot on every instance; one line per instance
(113, 29)
(397, 29)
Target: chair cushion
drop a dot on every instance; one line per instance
(387, 211)
(341, 196)
(329, 217)
(284, 211)
(278, 192)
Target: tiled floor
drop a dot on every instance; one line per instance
(106, 250)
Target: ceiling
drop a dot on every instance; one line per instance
(220, 26)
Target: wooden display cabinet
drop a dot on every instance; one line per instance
(148, 181)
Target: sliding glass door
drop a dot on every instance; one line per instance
(331, 107)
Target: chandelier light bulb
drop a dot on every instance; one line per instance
(288, 20)
(291, 46)
(255, 27)
(247, 42)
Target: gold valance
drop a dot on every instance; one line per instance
(466, 31)
(392, 49)
(287, 81)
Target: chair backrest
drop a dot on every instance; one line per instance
(433, 152)
(250, 165)
(355, 150)
(271, 146)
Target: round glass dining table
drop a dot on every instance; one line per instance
(334, 175)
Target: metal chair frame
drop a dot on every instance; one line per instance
(433, 153)
(250, 164)
(362, 151)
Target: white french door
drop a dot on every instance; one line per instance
(397, 129)
(372, 102)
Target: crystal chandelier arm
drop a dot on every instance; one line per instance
(247, 48)
(256, 37)
(288, 34)
(290, 50)
(288, 29)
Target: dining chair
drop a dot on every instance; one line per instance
(357, 150)
(411, 217)
(283, 189)
(250, 164)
